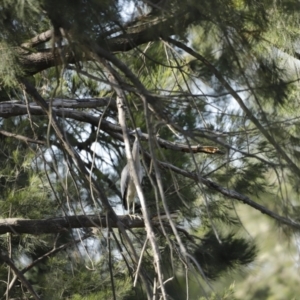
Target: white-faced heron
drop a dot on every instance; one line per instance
(128, 189)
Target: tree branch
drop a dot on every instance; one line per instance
(22, 138)
(61, 224)
(130, 36)
(90, 182)
(19, 274)
(38, 39)
(44, 256)
(16, 108)
(231, 194)
(241, 103)
(12, 108)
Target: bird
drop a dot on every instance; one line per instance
(128, 189)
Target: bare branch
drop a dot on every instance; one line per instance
(39, 39)
(69, 149)
(46, 255)
(22, 138)
(130, 36)
(16, 108)
(122, 120)
(231, 194)
(240, 101)
(61, 224)
(21, 277)
(187, 148)
(10, 108)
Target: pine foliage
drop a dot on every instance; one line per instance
(214, 87)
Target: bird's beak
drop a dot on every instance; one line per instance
(131, 132)
(136, 131)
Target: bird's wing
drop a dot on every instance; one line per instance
(140, 173)
(125, 177)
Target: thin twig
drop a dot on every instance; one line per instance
(110, 259)
(140, 263)
(121, 111)
(19, 274)
(44, 256)
(240, 101)
(22, 137)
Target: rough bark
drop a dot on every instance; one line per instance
(64, 108)
(60, 224)
(130, 36)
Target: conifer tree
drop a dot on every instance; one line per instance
(213, 85)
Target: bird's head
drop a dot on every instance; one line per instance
(136, 132)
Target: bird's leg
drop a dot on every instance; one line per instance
(134, 215)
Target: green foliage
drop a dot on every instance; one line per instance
(227, 294)
(9, 69)
(239, 93)
(223, 253)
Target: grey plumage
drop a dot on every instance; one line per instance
(128, 189)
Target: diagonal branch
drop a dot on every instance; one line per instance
(22, 138)
(69, 149)
(20, 275)
(38, 39)
(240, 101)
(113, 78)
(231, 194)
(44, 256)
(126, 38)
